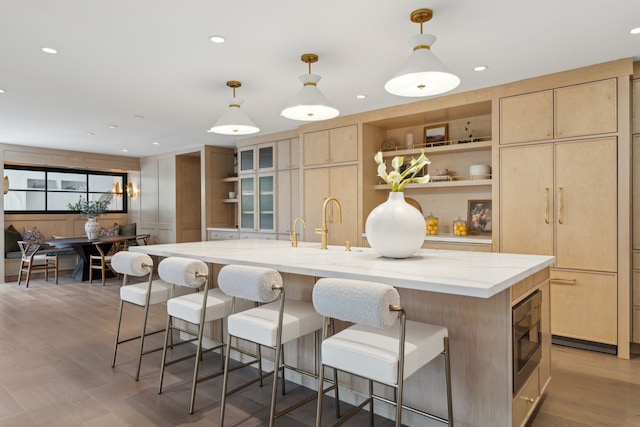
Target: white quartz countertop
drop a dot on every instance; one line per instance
(476, 274)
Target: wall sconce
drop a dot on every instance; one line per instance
(116, 190)
(6, 184)
(131, 191)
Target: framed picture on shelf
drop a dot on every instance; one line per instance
(436, 134)
(479, 216)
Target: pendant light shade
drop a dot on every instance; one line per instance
(423, 74)
(234, 121)
(309, 104)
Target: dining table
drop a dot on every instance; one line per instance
(85, 247)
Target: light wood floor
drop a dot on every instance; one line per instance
(55, 370)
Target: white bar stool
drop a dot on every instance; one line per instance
(276, 322)
(139, 294)
(196, 308)
(372, 348)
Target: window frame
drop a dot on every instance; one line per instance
(85, 194)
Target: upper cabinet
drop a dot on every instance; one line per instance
(258, 158)
(337, 145)
(526, 117)
(571, 111)
(288, 154)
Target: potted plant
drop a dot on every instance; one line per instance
(91, 209)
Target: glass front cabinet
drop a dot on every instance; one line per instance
(259, 158)
(257, 203)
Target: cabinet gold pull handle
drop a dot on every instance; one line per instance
(546, 205)
(560, 207)
(571, 281)
(528, 399)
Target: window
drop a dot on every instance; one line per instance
(48, 190)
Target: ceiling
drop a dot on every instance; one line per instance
(148, 66)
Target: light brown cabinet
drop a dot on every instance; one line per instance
(571, 111)
(584, 305)
(636, 106)
(288, 154)
(636, 231)
(288, 201)
(561, 199)
(337, 145)
(525, 118)
(339, 182)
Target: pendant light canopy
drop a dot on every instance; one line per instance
(309, 104)
(423, 74)
(234, 121)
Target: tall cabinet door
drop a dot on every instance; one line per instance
(340, 182)
(247, 203)
(316, 190)
(343, 182)
(586, 204)
(527, 202)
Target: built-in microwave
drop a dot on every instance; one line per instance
(527, 350)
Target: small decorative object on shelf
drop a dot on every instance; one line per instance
(431, 223)
(395, 229)
(479, 217)
(469, 132)
(389, 144)
(436, 135)
(408, 139)
(459, 227)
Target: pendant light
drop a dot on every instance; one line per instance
(309, 104)
(234, 121)
(423, 74)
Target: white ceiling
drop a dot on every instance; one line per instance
(122, 58)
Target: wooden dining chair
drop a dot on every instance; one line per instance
(100, 261)
(32, 260)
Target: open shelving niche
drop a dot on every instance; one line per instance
(231, 179)
(446, 200)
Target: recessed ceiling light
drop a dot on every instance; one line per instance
(155, 143)
(3, 91)
(125, 150)
(137, 116)
(361, 96)
(89, 133)
(50, 50)
(480, 68)
(216, 39)
(635, 30)
(113, 126)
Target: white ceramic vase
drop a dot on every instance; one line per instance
(92, 228)
(395, 229)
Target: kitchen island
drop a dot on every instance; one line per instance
(471, 293)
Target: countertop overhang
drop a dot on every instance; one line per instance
(475, 274)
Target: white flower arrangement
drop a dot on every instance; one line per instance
(396, 179)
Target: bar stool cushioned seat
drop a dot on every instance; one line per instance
(195, 308)
(260, 324)
(381, 346)
(273, 324)
(144, 295)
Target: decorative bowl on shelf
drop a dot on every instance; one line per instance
(475, 170)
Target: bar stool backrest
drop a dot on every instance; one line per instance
(183, 271)
(132, 264)
(356, 301)
(251, 283)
